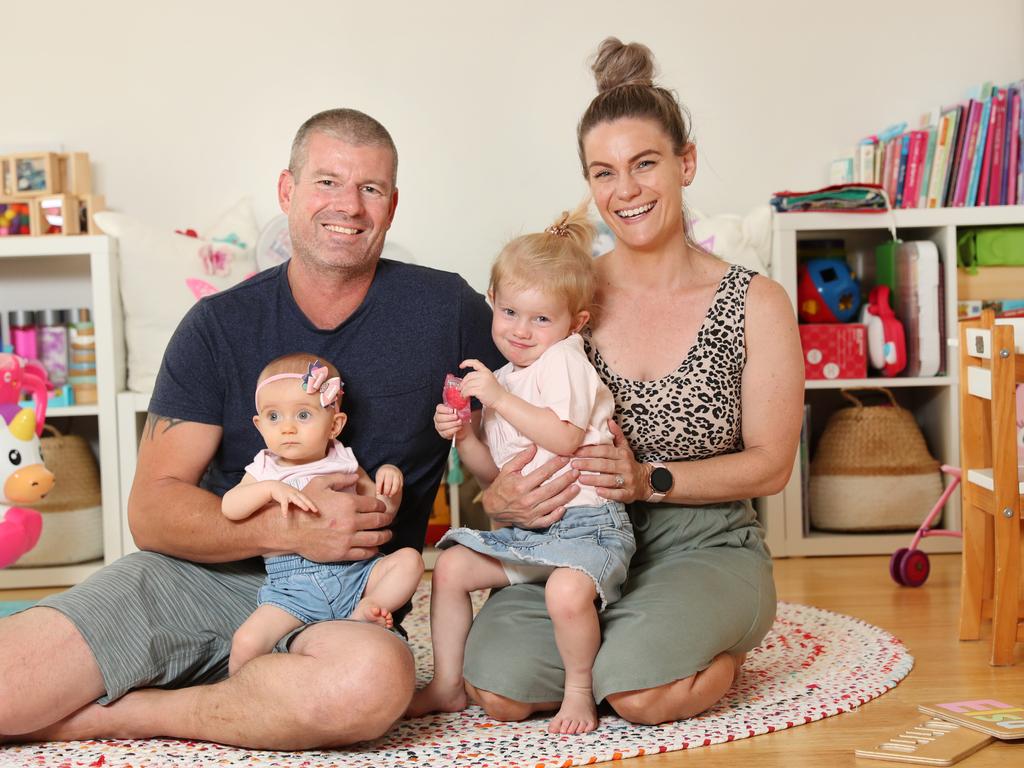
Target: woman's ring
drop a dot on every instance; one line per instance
(619, 481)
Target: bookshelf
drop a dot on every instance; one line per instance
(932, 400)
(64, 272)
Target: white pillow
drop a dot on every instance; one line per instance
(164, 273)
(744, 240)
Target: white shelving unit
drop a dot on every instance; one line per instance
(934, 401)
(68, 272)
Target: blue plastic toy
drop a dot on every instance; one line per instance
(827, 292)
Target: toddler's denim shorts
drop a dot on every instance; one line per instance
(312, 591)
(595, 540)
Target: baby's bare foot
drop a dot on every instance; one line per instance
(372, 614)
(578, 713)
(437, 698)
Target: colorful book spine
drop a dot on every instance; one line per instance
(953, 166)
(1020, 150)
(944, 137)
(992, 161)
(1013, 190)
(926, 169)
(865, 161)
(901, 172)
(918, 145)
(965, 157)
(892, 162)
(979, 153)
(1009, 184)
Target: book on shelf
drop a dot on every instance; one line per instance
(945, 137)
(1013, 146)
(841, 171)
(992, 156)
(865, 161)
(900, 179)
(918, 144)
(929, 123)
(979, 149)
(955, 151)
(1020, 140)
(965, 157)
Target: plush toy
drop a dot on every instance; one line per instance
(18, 375)
(25, 481)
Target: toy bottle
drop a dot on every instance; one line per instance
(82, 369)
(53, 345)
(23, 333)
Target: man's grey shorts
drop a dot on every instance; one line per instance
(155, 621)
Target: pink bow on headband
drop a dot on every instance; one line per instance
(316, 380)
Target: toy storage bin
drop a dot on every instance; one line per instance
(72, 513)
(872, 470)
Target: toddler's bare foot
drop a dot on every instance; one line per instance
(578, 713)
(372, 614)
(437, 698)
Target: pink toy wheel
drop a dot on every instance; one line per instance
(914, 568)
(894, 565)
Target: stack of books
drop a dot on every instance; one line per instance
(963, 155)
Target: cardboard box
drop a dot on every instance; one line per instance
(835, 350)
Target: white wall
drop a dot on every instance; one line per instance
(184, 109)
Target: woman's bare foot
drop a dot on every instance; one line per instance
(372, 614)
(436, 697)
(578, 713)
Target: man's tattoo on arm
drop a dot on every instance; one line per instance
(154, 421)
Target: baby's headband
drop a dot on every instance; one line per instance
(312, 381)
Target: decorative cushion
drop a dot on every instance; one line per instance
(164, 273)
(744, 240)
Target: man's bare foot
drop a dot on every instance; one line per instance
(437, 698)
(578, 713)
(372, 614)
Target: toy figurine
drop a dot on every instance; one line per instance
(25, 481)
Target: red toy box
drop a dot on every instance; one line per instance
(835, 350)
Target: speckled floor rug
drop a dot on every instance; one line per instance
(812, 665)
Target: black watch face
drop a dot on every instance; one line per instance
(661, 480)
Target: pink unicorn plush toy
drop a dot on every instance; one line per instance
(18, 375)
(23, 478)
(25, 481)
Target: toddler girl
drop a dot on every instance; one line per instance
(548, 395)
(298, 413)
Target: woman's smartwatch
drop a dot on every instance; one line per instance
(660, 481)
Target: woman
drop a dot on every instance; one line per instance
(700, 593)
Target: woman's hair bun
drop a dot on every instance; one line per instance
(616, 64)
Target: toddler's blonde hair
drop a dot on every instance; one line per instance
(556, 261)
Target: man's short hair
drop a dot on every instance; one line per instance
(349, 125)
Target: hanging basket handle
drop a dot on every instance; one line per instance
(847, 393)
(52, 430)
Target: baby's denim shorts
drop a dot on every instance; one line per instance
(312, 591)
(595, 540)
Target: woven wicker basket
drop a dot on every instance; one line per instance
(872, 470)
(72, 514)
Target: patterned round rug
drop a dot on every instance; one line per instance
(812, 665)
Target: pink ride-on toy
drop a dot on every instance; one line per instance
(909, 566)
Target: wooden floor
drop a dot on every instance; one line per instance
(925, 619)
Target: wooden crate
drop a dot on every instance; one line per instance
(58, 214)
(33, 174)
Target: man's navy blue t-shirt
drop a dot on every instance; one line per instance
(415, 325)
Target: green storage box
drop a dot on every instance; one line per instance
(990, 247)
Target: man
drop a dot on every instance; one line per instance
(123, 654)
